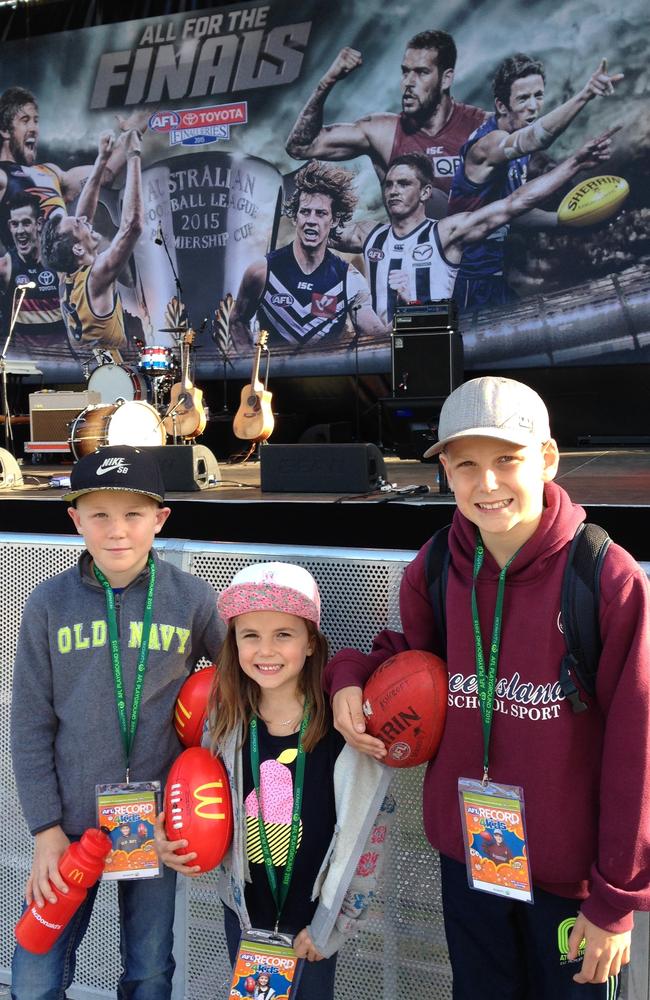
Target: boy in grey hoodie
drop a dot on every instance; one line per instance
(103, 650)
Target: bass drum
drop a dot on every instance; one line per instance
(119, 382)
(134, 423)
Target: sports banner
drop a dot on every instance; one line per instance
(310, 169)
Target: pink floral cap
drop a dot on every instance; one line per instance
(272, 586)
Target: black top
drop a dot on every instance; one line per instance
(318, 819)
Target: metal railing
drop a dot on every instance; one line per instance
(402, 944)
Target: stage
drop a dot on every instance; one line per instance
(612, 484)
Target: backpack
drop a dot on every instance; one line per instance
(579, 603)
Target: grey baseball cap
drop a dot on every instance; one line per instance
(493, 407)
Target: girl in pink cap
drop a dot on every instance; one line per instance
(304, 802)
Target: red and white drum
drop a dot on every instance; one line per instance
(156, 360)
(134, 423)
(114, 382)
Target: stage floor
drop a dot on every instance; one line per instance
(613, 484)
(610, 477)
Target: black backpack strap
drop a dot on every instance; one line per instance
(580, 606)
(436, 572)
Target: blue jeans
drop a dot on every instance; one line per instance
(146, 941)
(317, 979)
(503, 949)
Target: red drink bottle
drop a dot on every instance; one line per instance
(80, 867)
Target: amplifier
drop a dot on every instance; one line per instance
(426, 362)
(439, 315)
(186, 467)
(51, 413)
(321, 468)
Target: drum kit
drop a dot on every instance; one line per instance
(134, 400)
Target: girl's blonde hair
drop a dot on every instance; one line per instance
(234, 697)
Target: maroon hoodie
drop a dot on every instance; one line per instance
(586, 777)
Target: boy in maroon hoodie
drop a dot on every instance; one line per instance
(585, 777)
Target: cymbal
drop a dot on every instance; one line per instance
(173, 329)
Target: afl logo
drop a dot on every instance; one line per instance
(46, 278)
(162, 121)
(22, 279)
(422, 252)
(281, 300)
(399, 751)
(375, 255)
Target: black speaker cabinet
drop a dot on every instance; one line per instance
(426, 362)
(410, 425)
(321, 468)
(186, 467)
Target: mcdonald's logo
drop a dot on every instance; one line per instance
(180, 708)
(205, 800)
(76, 875)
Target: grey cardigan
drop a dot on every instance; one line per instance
(346, 883)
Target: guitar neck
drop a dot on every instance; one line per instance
(185, 367)
(255, 375)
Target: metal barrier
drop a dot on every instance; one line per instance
(402, 945)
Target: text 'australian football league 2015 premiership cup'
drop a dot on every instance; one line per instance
(216, 213)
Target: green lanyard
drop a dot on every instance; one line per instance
(280, 895)
(128, 727)
(487, 682)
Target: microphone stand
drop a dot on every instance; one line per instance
(255, 453)
(223, 341)
(357, 417)
(16, 307)
(183, 399)
(225, 409)
(161, 241)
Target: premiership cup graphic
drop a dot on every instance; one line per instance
(216, 211)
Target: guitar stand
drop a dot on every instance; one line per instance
(254, 455)
(241, 457)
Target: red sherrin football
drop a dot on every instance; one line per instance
(192, 706)
(405, 704)
(198, 807)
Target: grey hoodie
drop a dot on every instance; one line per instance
(65, 736)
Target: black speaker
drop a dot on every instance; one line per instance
(339, 432)
(186, 467)
(426, 362)
(321, 468)
(410, 423)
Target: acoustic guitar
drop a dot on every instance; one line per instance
(253, 420)
(188, 418)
